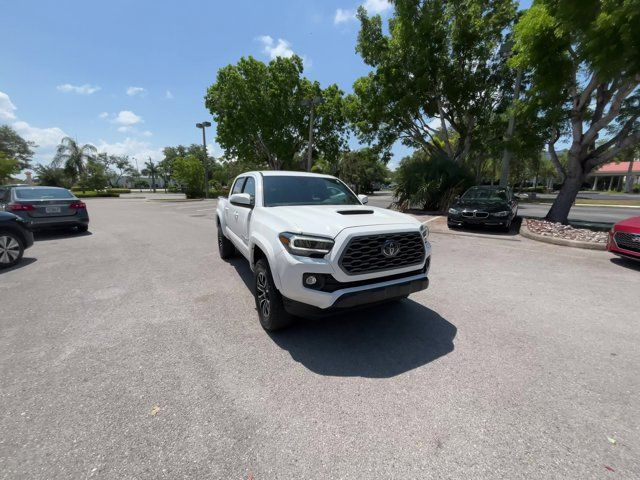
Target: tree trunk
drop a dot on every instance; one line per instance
(629, 184)
(559, 211)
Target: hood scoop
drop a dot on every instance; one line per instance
(355, 212)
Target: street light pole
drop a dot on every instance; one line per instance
(311, 103)
(203, 126)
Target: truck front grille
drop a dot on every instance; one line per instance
(628, 241)
(365, 254)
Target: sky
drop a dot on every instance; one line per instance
(129, 76)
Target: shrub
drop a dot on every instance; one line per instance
(430, 182)
(93, 194)
(119, 190)
(636, 189)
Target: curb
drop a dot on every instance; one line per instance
(175, 200)
(526, 233)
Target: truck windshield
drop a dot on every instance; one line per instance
(292, 190)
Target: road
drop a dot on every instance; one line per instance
(579, 213)
(135, 352)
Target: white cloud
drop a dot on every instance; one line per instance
(281, 48)
(45, 138)
(133, 91)
(274, 49)
(147, 133)
(373, 7)
(168, 95)
(85, 89)
(103, 115)
(7, 108)
(127, 118)
(141, 150)
(343, 16)
(376, 6)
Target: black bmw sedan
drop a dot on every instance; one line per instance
(484, 205)
(15, 237)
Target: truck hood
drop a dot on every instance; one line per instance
(329, 220)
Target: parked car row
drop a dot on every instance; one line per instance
(25, 209)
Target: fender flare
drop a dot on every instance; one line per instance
(259, 241)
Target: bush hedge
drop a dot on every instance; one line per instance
(93, 194)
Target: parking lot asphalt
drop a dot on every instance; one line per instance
(135, 352)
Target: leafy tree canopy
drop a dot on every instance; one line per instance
(261, 117)
(584, 62)
(440, 67)
(14, 146)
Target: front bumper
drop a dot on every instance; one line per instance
(289, 271)
(490, 221)
(362, 298)
(613, 247)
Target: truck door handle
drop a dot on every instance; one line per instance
(235, 214)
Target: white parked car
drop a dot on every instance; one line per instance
(315, 247)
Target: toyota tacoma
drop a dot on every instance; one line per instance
(315, 247)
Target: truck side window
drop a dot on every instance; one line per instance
(237, 187)
(250, 187)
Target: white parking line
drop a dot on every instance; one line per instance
(206, 209)
(432, 219)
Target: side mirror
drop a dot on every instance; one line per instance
(363, 199)
(241, 200)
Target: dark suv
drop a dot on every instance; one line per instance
(45, 207)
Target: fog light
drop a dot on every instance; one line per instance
(311, 280)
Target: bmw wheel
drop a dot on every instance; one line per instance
(11, 249)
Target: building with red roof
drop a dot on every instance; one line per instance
(614, 175)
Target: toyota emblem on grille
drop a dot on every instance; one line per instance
(390, 248)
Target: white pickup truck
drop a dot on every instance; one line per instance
(315, 247)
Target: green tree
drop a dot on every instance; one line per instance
(584, 62)
(8, 166)
(362, 169)
(151, 170)
(261, 118)
(73, 156)
(94, 175)
(439, 71)
(118, 166)
(52, 176)
(430, 181)
(189, 172)
(14, 146)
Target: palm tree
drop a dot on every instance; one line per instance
(73, 156)
(151, 170)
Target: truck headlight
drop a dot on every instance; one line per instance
(501, 214)
(424, 231)
(454, 211)
(305, 245)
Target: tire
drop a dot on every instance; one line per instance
(225, 247)
(269, 302)
(82, 228)
(11, 249)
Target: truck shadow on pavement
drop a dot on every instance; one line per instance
(377, 342)
(24, 262)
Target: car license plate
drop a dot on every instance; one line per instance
(52, 209)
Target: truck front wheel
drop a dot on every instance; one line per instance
(269, 303)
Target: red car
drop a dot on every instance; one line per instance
(624, 238)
